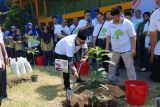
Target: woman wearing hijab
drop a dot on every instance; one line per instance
(47, 46)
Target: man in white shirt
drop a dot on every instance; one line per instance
(122, 36)
(137, 19)
(99, 35)
(73, 27)
(95, 21)
(155, 43)
(62, 30)
(87, 23)
(52, 27)
(66, 48)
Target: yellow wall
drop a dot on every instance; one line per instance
(126, 5)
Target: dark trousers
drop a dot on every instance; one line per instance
(1, 97)
(48, 57)
(142, 52)
(3, 84)
(155, 76)
(66, 76)
(102, 44)
(19, 53)
(12, 52)
(8, 51)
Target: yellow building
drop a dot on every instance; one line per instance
(44, 9)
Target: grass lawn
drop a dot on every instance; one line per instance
(47, 91)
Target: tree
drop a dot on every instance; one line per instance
(118, 33)
(17, 16)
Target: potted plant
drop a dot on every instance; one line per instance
(32, 51)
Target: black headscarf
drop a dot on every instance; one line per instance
(46, 36)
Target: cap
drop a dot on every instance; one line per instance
(115, 11)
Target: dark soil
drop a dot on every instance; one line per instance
(14, 81)
(103, 96)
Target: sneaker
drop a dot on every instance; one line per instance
(143, 69)
(6, 99)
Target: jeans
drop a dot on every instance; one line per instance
(48, 57)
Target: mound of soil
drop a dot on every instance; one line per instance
(14, 81)
(104, 96)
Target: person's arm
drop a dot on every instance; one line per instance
(5, 53)
(72, 67)
(153, 42)
(133, 45)
(108, 41)
(94, 41)
(2, 59)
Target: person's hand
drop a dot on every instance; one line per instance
(7, 59)
(3, 65)
(83, 60)
(133, 52)
(107, 50)
(75, 74)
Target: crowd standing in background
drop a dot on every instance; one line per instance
(127, 35)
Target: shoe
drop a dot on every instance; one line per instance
(143, 70)
(5, 99)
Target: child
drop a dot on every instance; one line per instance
(47, 45)
(18, 40)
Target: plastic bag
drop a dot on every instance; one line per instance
(14, 66)
(27, 65)
(21, 66)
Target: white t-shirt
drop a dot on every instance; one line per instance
(95, 22)
(59, 28)
(83, 23)
(147, 38)
(73, 29)
(55, 39)
(1, 41)
(67, 46)
(103, 31)
(137, 22)
(155, 26)
(120, 35)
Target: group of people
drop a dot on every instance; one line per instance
(129, 35)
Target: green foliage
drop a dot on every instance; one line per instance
(16, 16)
(98, 53)
(33, 51)
(31, 39)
